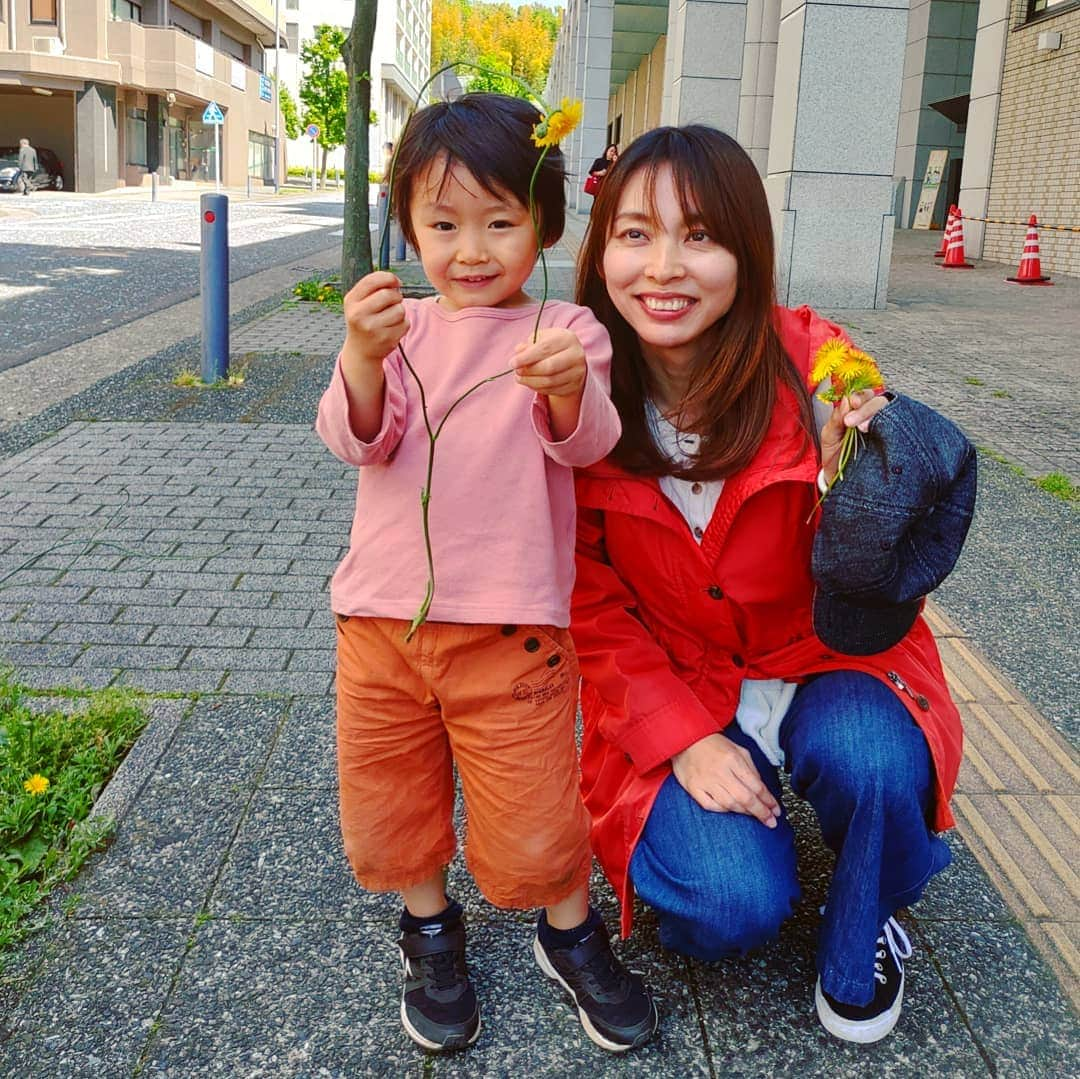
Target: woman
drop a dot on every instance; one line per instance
(599, 168)
(692, 607)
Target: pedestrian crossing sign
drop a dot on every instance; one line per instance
(213, 114)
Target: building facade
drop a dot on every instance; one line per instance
(117, 89)
(840, 106)
(400, 64)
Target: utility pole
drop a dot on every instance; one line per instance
(277, 103)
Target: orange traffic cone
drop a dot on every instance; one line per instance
(940, 252)
(954, 252)
(1030, 271)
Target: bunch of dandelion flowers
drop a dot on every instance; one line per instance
(554, 125)
(849, 370)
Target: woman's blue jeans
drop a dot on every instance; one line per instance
(722, 883)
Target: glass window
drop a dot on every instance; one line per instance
(136, 136)
(231, 47)
(292, 33)
(127, 10)
(179, 19)
(261, 157)
(292, 5)
(1040, 7)
(43, 11)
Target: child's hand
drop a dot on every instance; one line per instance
(553, 365)
(374, 317)
(854, 411)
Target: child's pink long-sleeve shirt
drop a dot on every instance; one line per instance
(502, 514)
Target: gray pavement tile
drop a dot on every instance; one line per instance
(171, 681)
(200, 597)
(41, 655)
(166, 597)
(962, 892)
(279, 683)
(72, 612)
(99, 633)
(25, 631)
(136, 657)
(241, 659)
(65, 677)
(89, 1011)
(305, 754)
(324, 659)
(292, 582)
(155, 615)
(298, 999)
(200, 636)
(269, 617)
(287, 862)
(270, 637)
(1008, 996)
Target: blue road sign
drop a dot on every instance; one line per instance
(265, 88)
(313, 131)
(213, 114)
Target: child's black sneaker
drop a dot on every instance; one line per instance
(613, 1004)
(871, 1022)
(438, 1004)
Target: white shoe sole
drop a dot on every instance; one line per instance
(612, 1047)
(850, 1030)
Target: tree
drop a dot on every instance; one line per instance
(290, 114)
(324, 88)
(520, 42)
(356, 244)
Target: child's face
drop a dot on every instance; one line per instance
(477, 249)
(666, 276)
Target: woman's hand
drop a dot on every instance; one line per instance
(720, 776)
(854, 411)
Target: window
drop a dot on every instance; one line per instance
(1038, 8)
(261, 157)
(231, 47)
(179, 19)
(292, 5)
(292, 34)
(43, 11)
(136, 136)
(127, 10)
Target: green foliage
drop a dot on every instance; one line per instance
(290, 113)
(489, 82)
(46, 836)
(318, 290)
(325, 86)
(1060, 486)
(971, 380)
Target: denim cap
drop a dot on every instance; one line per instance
(892, 529)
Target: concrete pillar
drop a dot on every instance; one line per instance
(990, 37)
(758, 79)
(704, 59)
(831, 149)
(96, 142)
(594, 68)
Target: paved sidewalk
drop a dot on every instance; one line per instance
(168, 547)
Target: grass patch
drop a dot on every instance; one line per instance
(1001, 393)
(972, 381)
(189, 379)
(52, 767)
(320, 290)
(1060, 486)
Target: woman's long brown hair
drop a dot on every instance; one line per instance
(733, 385)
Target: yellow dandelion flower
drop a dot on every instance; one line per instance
(558, 123)
(828, 356)
(36, 784)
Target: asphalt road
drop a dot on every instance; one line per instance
(73, 266)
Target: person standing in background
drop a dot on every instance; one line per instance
(28, 163)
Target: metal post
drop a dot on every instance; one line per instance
(384, 232)
(314, 163)
(214, 286)
(217, 157)
(400, 254)
(153, 186)
(277, 102)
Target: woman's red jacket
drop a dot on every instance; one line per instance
(667, 629)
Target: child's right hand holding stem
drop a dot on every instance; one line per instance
(375, 322)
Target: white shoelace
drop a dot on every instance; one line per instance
(893, 937)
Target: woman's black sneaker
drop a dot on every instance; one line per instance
(613, 1004)
(871, 1022)
(438, 1004)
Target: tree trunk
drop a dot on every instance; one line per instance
(356, 245)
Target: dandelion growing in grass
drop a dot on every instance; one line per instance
(36, 784)
(849, 370)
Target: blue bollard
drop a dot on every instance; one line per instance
(384, 232)
(400, 242)
(214, 286)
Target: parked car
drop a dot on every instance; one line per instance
(50, 173)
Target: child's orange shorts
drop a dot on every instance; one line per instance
(497, 701)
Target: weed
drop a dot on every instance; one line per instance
(52, 767)
(186, 378)
(202, 918)
(972, 381)
(1060, 486)
(318, 290)
(1001, 393)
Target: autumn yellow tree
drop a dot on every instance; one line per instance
(519, 41)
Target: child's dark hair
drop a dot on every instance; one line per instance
(491, 135)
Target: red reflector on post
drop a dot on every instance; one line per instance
(209, 217)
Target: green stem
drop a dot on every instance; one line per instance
(848, 447)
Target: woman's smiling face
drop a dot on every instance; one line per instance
(666, 276)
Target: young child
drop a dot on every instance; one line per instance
(489, 682)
